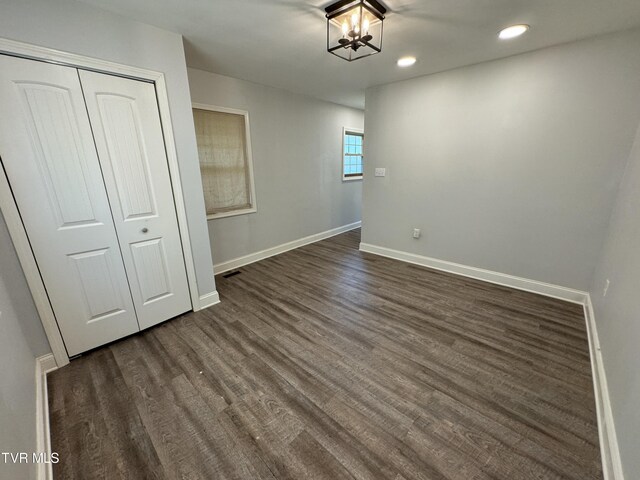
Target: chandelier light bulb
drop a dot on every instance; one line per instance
(355, 20)
(345, 28)
(365, 26)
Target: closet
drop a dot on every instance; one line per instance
(85, 157)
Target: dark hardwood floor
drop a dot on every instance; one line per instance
(328, 363)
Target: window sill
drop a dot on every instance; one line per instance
(232, 213)
(350, 179)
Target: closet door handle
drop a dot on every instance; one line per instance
(145, 230)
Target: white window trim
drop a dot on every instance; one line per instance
(346, 130)
(252, 185)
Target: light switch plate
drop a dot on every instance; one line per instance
(381, 172)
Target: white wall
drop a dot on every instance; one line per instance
(83, 29)
(510, 165)
(618, 316)
(296, 144)
(22, 339)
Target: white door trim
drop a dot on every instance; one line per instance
(30, 267)
(10, 210)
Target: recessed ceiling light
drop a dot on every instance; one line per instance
(406, 61)
(513, 31)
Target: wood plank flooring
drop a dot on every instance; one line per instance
(328, 363)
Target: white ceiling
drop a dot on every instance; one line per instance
(282, 43)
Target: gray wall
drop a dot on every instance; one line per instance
(15, 285)
(510, 165)
(21, 341)
(617, 314)
(296, 143)
(80, 28)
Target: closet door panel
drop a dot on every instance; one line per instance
(48, 153)
(129, 161)
(128, 133)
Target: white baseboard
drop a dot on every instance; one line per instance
(534, 286)
(609, 451)
(208, 300)
(270, 252)
(44, 365)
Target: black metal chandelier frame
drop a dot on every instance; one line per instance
(355, 38)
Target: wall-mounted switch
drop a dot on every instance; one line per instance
(381, 172)
(416, 233)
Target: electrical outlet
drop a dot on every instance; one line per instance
(606, 287)
(416, 233)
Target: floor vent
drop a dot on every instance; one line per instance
(231, 274)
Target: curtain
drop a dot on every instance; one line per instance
(222, 149)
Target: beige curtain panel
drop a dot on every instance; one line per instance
(222, 149)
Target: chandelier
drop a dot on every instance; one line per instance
(354, 28)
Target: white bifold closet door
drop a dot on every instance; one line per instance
(99, 215)
(126, 126)
(49, 156)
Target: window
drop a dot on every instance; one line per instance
(225, 160)
(352, 143)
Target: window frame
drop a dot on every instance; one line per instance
(252, 186)
(346, 131)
